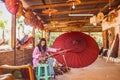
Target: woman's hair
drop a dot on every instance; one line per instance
(42, 47)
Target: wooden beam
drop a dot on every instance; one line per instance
(64, 4)
(63, 20)
(73, 11)
(82, 21)
(82, 29)
(66, 19)
(107, 5)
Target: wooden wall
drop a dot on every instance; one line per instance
(22, 57)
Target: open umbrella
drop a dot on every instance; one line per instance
(12, 5)
(80, 50)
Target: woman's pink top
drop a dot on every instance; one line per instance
(37, 53)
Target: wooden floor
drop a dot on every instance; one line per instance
(99, 70)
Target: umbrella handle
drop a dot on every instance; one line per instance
(65, 61)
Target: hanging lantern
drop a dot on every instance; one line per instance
(76, 2)
(73, 3)
(93, 20)
(100, 17)
(105, 24)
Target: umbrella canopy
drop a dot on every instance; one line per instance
(12, 5)
(80, 50)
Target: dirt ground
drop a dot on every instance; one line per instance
(99, 70)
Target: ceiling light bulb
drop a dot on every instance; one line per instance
(49, 13)
(73, 6)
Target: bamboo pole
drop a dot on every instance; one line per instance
(33, 34)
(13, 36)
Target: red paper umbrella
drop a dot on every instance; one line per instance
(1, 43)
(80, 50)
(12, 5)
(40, 25)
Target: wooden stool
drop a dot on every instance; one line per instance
(42, 72)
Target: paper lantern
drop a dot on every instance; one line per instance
(100, 17)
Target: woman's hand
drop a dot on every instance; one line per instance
(59, 49)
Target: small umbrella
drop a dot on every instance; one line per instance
(49, 11)
(12, 5)
(79, 49)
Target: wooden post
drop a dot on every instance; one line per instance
(105, 39)
(43, 34)
(13, 36)
(47, 36)
(33, 34)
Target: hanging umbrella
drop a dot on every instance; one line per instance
(12, 5)
(40, 25)
(79, 49)
(20, 10)
(50, 11)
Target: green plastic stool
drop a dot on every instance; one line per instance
(42, 72)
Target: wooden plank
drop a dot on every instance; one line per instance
(75, 28)
(74, 19)
(64, 4)
(67, 20)
(73, 11)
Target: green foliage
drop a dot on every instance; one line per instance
(20, 21)
(38, 34)
(2, 24)
(53, 36)
(1, 12)
(98, 37)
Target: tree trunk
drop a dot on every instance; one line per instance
(3, 35)
(19, 33)
(23, 30)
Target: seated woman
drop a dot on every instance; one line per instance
(41, 49)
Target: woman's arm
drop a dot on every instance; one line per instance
(51, 50)
(36, 53)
